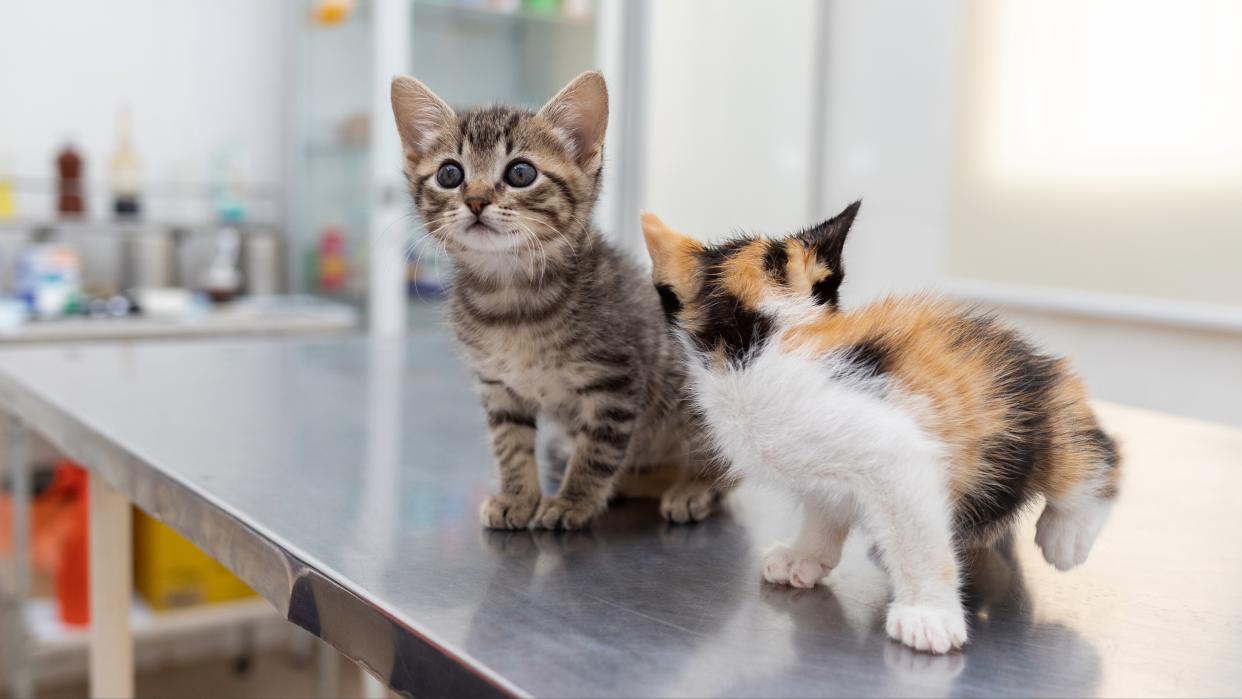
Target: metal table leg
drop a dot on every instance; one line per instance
(371, 687)
(21, 681)
(111, 582)
(329, 671)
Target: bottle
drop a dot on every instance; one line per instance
(229, 184)
(125, 171)
(8, 206)
(73, 568)
(222, 280)
(333, 263)
(71, 200)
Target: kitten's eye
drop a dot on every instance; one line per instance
(450, 175)
(520, 174)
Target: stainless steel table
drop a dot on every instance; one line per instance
(341, 478)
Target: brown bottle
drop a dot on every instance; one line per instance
(71, 201)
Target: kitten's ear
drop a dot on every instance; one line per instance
(419, 113)
(822, 271)
(663, 243)
(827, 239)
(672, 259)
(579, 113)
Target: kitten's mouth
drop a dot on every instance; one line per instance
(479, 237)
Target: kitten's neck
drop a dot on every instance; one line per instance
(550, 263)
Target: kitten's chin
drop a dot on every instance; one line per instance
(480, 238)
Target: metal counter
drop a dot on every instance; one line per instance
(341, 479)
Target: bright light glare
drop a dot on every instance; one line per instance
(1114, 90)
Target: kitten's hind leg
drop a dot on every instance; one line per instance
(1069, 525)
(690, 500)
(1080, 485)
(909, 515)
(815, 551)
(693, 497)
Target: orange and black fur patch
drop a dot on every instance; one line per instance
(1015, 422)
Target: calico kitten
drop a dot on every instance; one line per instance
(557, 325)
(926, 427)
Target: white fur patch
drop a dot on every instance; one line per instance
(851, 446)
(929, 629)
(809, 424)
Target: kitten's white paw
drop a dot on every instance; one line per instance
(505, 511)
(1066, 537)
(690, 501)
(784, 567)
(927, 628)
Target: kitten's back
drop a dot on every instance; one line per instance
(1016, 422)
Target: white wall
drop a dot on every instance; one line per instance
(730, 118)
(195, 75)
(727, 115)
(892, 90)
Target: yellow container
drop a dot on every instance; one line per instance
(171, 572)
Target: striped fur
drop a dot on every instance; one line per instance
(927, 426)
(557, 325)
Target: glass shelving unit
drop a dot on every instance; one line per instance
(468, 51)
(329, 166)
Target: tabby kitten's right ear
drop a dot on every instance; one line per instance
(420, 115)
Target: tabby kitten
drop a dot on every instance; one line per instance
(557, 326)
(926, 427)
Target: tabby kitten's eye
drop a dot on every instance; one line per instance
(450, 175)
(520, 174)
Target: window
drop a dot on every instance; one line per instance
(1101, 147)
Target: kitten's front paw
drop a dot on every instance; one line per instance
(784, 567)
(506, 511)
(690, 501)
(927, 628)
(563, 513)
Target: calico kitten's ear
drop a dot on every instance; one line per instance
(419, 113)
(823, 270)
(579, 113)
(828, 238)
(673, 267)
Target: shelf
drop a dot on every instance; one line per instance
(483, 13)
(257, 315)
(70, 226)
(49, 636)
(336, 150)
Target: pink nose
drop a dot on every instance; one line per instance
(476, 204)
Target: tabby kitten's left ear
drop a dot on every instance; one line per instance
(579, 113)
(823, 245)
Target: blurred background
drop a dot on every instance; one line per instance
(182, 167)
